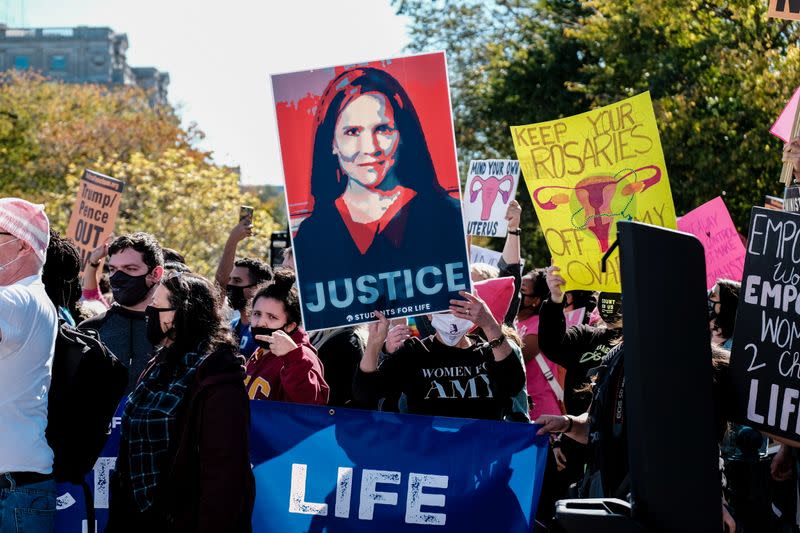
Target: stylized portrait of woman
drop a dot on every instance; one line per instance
(379, 208)
(372, 178)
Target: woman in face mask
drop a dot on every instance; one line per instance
(723, 301)
(450, 373)
(285, 366)
(183, 463)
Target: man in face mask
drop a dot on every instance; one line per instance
(135, 266)
(241, 278)
(247, 275)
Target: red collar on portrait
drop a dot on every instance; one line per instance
(364, 234)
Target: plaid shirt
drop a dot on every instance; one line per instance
(148, 421)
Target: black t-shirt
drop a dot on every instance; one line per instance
(441, 380)
(578, 350)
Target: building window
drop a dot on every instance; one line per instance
(21, 62)
(58, 63)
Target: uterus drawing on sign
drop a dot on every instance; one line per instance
(598, 201)
(489, 187)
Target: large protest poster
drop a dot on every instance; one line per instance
(587, 172)
(94, 212)
(491, 185)
(71, 504)
(765, 359)
(711, 223)
(784, 9)
(352, 470)
(372, 189)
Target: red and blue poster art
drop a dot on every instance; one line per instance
(372, 189)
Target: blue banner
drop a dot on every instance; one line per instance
(71, 505)
(320, 469)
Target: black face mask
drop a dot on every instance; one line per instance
(236, 297)
(264, 331)
(712, 310)
(155, 335)
(610, 307)
(129, 290)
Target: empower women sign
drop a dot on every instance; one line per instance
(765, 359)
(372, 189)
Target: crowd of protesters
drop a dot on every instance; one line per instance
(198, 350)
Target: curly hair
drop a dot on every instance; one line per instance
(198, 322)
(283, 289)
(260, 272)
(538, 277)
(60, 273)
(142, 242)
(728, 304)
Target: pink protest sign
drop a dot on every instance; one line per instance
(712, 224)
(783, 126)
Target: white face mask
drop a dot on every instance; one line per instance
(450, 328)
(3, 267)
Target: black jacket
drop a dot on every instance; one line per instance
(578, 350)
(209, 486)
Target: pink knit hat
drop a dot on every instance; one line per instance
(27, 222)
(497, 293)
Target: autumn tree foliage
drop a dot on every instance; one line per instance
(51, 131)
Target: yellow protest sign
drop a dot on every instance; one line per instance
(586, 172)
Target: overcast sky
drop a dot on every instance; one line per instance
(219, 56)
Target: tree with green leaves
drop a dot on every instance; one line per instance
(719, 74)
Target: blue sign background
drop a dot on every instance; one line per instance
(494, 469)
(71, 504)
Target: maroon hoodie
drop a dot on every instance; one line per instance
(296, 377)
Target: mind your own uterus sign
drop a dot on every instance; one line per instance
(587, 172)
(491, 186)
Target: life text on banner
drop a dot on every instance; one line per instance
(351, 470)
(587, 172)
